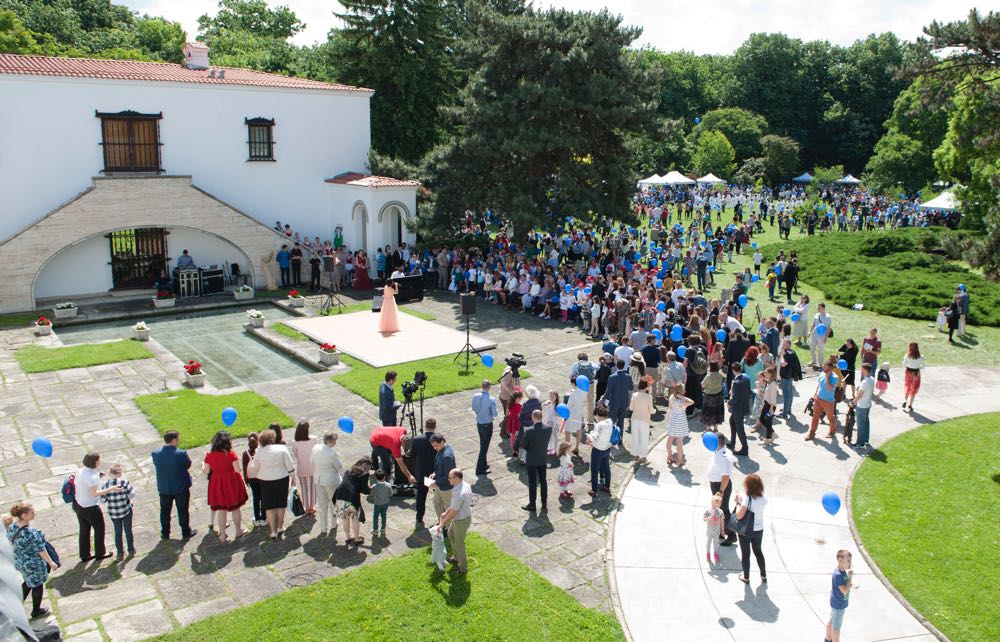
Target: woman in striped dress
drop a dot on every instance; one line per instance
(677, 427)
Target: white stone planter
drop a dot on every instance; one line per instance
(329, 358)
(296, 303)
(140, 335)
(256, 322)
(243, 295)
(43, 330)
(195, 381)
(164, 303)
(65, 313)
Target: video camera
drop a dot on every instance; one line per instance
(515, 361)
(410, 387)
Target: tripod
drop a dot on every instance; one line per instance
(408, 415)
(468, 348)
(332, 298)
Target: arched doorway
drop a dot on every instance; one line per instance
(360, 217)
(391, 217)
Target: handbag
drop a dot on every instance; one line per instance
(295, 502)
(49, 548)
(741, 526)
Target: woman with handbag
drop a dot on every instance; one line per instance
(273, 466)
(747, 521)
(31, 555)
(347, 498)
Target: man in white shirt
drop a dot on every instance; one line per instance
(863, 405)
(457, 519)
(758, 258)
(731, 323)
(720, 471)
(624, 351)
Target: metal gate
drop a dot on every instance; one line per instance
(137, 257)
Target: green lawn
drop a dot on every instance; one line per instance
(288, 331)
(35, 358)
(444, 375)
(980, 345)
(903, 273)
(926, 506)
(19, 319)
(198, 416)
(406, 598)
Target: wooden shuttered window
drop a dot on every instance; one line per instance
(131, 141)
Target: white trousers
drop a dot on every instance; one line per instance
(324, 507)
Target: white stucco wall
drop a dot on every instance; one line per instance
(50, 149)
(205, 249)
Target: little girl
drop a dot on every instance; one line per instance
(677, 427)
(713, 525)
(552, 420)
(882, 379)
(566, 472)
(565, 303)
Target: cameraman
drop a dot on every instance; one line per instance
(387, 403)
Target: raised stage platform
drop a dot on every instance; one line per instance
(357, 334)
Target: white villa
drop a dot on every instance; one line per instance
(110, 169)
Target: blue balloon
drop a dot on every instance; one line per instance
(346, 424)
(777, 269)
(569, 288)
(637, 256)
(652, 263)
(583, 383)
(658, 283)
(657, 335)
(710, 440)
(229, 416)
(563, 411)
(628, 266)
(41, 447)
(842, 364)
(720, 335)
(754, 245)
(685, 271)
(821, 330)
(697, 120)
(742, 300)
(787, 312)
(587, 290)
(676, 334)
(681, 351)
(754, 278)
(711, 268)
(661, 306)
(487, 360)
(831, 502)
(795, 317)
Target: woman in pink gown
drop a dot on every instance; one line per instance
(361, 278)
(388, 318)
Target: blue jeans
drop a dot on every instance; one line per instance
(863, 424)
(379, 511)
(787, 394)
(600, 468)
(123, 524)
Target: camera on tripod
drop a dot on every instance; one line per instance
(516, 360)
(410, 387)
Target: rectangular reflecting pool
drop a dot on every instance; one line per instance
(230, 356)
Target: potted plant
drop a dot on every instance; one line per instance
(193, 374)
(296, 300)
(140, 331)
(243, 292)
(65, 310)
(328, 355)
(43, 326)
(256, 318)
(164, 299)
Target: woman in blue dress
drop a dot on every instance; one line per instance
(30, 556)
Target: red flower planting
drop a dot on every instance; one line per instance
(294, 294)
(43, 320)
(328, 347)
(192, 367)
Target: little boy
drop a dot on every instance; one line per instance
(119, 508)
(379, 496)
(841, 584)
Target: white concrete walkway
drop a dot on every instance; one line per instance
(666, 590)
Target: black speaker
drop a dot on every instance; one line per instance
(468, 304)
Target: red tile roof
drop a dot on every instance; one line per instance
(367, 180)
(155, 71)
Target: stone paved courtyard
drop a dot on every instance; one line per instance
(173, 583)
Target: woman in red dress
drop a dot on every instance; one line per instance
(361, 279)
(226, 492)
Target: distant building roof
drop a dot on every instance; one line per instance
(194, 44)
(367, 180)
(156, 71)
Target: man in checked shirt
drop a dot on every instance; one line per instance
(119, 508)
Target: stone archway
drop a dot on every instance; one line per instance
(359, 214)
(393, 217)
(117, 203)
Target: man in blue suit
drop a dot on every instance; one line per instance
(618, 395)
(739, 407)
(173, 482)
(387, 400)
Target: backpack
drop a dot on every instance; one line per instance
(587, 370)
(699, 363)
(69, 489)
(616, 436)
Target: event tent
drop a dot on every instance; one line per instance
(944, 201)
(848, 180)
(805, 178)
(676, 178)
(655, 179)
(710, 179)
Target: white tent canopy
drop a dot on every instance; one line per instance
(655, 179)
(676, 178)
(946, 201)
(710, 179)
(805, 178)
(848, 180)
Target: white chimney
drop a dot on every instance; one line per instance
(195, 55)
